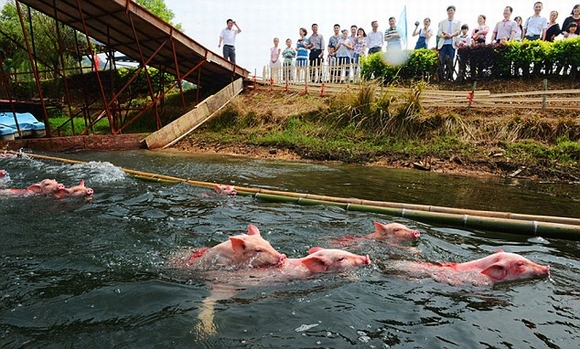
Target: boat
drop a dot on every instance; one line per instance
(29, 126)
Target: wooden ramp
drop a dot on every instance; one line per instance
(205, 110)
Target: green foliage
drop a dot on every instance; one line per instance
(522, 59)
(418, 64)
(160, 9)
(422, 63)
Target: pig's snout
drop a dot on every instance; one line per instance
(90, 191)
(366, 260)
(416, 234)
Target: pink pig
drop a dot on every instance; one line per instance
(77, 191)
(322, 260)
(3, 173)
(240, 251)
(496, 268)
(392, 233)
(225, 189)
(44, 187)
(225, 284)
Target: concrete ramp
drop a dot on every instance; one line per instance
(205, 110)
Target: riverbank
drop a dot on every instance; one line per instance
(274, 124)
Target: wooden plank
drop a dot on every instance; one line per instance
(181, 127)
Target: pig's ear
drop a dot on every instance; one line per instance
(82, 183)
(238, 244)
(35, 188)
(495, 271)
(498, 251)
(253, 230)
(314, 249)
(379, 227)
(217, 188)
(316, 264)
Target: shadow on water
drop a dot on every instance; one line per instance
(91, 274)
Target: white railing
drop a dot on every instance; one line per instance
(324, 73)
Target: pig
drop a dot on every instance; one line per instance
(77, 191)
(46, 187)
(391, 233)
(4, 177)
(241, 251)
(500, 267)
(225, 285)
(225, 190)
(321, 260)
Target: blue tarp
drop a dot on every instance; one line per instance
(27, 123)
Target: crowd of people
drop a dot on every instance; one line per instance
(345, 47)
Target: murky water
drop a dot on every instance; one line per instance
(91, 274)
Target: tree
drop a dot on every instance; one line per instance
(158, 8)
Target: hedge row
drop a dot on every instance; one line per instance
(514, 59)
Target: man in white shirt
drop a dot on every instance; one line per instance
(375, 38)
(536, 25)
(228, 38)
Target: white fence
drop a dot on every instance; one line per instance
(324, 73)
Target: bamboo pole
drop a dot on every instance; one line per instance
(549, 226)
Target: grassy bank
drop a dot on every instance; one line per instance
(366, 126)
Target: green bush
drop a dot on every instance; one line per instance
(416, 64)
(514, 59)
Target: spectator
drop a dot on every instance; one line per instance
(275, 60)
(392, 36)
(519, 35)
(535, 25)
(228, 38)
(506, 29)
(302, 53)
(343, 53)
(288, 54)
(448, 29)
(460, 41)
(553, 28)
(424, 33)
(572, 30)
(316, 46)
(463, 39)
(574, 17)
(375, 39)
(479, 33)
(332, 42)
(360, 45)
(353, 32)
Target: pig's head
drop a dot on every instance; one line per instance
(254, 251)
(225, 189)
(394, 232)
(45, 187)
(321, 259)
(506, 267)
(77, 191)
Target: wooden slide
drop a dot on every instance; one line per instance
(205, 110)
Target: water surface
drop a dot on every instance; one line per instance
(91, 274)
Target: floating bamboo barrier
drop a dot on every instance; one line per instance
(523, 224)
